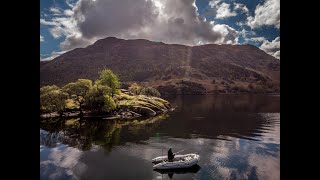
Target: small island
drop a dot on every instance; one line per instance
(103, 98)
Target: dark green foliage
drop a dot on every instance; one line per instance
(78, 90)
(52, 99)
(150, 91)
(135, 89)
(98, 100)
(108, 78)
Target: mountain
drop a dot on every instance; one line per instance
(171, 68)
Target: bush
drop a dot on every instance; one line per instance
(150, 91)
(46, 89)
(77, 90)
(135, 89)
(52, 99)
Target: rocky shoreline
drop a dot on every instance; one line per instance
(128, 107)
(118, 115)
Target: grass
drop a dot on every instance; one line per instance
(153, 103)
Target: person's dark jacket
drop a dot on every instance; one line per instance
(170, 155)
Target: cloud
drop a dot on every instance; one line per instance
(68, 12)
(57, 32)
(62, 162)
(222, 9)
(241, 7)
(55, 11)
(47, 23)
(277, 54)
(62, 26)
(241, 24)
(230, 35)
(244, 33)
(41, 38)
(272, 48)
(53, 55)
(267, 14)
(70, 3)
(257, 39)
(72, 41)
(158, 20)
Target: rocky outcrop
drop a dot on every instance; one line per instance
(141, 105)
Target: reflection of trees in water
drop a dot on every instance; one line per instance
(83, 133)
(187, 124)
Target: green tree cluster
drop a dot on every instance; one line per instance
(52, 99)
(96, 98)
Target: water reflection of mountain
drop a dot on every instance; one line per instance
(212, 125)
(227, 115)
(226, 103)
(201, 116)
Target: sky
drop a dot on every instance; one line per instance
(70, 24)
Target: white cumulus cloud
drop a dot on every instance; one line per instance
(48, 23)
(230, 35)
(272, 48)
(222, 9)
(55, 11)
(258, 39)
(241, 7)
(267, 14)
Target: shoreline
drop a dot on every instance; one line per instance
(118, 115)
(267, 94)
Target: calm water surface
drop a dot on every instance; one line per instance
(236, 136)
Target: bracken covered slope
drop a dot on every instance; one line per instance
(171, 68)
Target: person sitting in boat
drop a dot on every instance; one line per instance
(170, 154)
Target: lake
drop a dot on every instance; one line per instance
(236, 136)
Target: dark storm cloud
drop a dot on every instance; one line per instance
(169, 21)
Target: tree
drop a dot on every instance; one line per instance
(108, 78)
(80, 89)
(135, 89)
(52, 99)
(46, 89)
(150, 91)
(98, 100)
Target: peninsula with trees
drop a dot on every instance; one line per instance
(101, 98)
